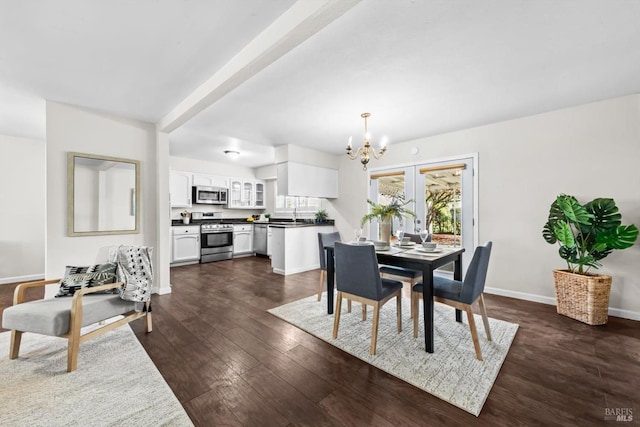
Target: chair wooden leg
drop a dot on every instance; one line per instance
(149, 322)
(485, 319)
(415, 299)
(73, 340)
(374, 328)
(399, 311)
(323, 273)
(348, 306)
(14, 349)
(336, 316)
(364, 311)
(474, 332)
(73, 347)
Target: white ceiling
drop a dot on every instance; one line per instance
(421, 67)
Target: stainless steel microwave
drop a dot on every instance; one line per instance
(206, 195)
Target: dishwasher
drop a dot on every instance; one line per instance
(260, 238)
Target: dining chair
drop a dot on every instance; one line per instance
(405, 274)
(358, 279)
(461, 294)
(323, 240)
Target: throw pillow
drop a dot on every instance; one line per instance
(76, 278)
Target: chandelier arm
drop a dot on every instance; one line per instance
(356, 154)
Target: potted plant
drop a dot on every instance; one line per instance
(397, 208)
(321, 215)
(586, 235)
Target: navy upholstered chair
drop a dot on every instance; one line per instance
(461, 295)
(323, 240)
(358, 279)
(405, 274)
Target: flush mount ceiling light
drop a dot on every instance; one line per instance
(232, 153)
(366, 151)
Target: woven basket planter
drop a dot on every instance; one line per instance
(584, 298)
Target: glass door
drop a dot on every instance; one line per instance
(445, 205)
(445, 200)
(385, 186)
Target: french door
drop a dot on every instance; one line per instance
(444, 191)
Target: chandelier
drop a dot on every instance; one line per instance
(366, 151)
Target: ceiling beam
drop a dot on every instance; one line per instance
(301, 21)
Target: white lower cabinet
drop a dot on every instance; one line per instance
(185, 243)
(243, 239)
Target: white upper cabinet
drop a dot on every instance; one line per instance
(298, 179)
(246, 194)
(259, 202)
(210, 180)
(180, 189)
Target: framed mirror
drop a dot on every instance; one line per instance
(103, 195)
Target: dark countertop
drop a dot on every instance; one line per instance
(274, 222)
(291, 224)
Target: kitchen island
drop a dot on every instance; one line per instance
(294, 246)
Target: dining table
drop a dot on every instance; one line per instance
(414, 258)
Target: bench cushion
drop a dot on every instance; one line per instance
(51, 316)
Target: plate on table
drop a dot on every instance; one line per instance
(406, 244)
(435, 251)
(382, 248)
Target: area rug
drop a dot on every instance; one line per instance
(116, 384)
(451, 373)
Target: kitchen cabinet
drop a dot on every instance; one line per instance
(180, 189)
(242, 239)
(269, 241)
(259, 195)
(210, 180)
(295, 249)
(185, 244)
(298, 179)
(246, 194)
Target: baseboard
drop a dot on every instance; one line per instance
(163, 290)
(21, 279)
(616, 312)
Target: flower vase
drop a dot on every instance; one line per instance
(385, 231)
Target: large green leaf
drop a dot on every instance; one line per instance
(605, 214)
(563, 232)
(569, 254)
(620, 237)
(555, 213)
(573, 210)
(548, 234)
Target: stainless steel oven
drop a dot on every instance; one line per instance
(216, 242)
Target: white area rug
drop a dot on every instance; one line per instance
(451, 373)
(116, 384)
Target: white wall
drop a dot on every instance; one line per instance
(22, 219)
(588, 151)
(72, 128)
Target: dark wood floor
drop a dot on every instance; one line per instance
(231, 363)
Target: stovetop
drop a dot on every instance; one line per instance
(216, 227)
